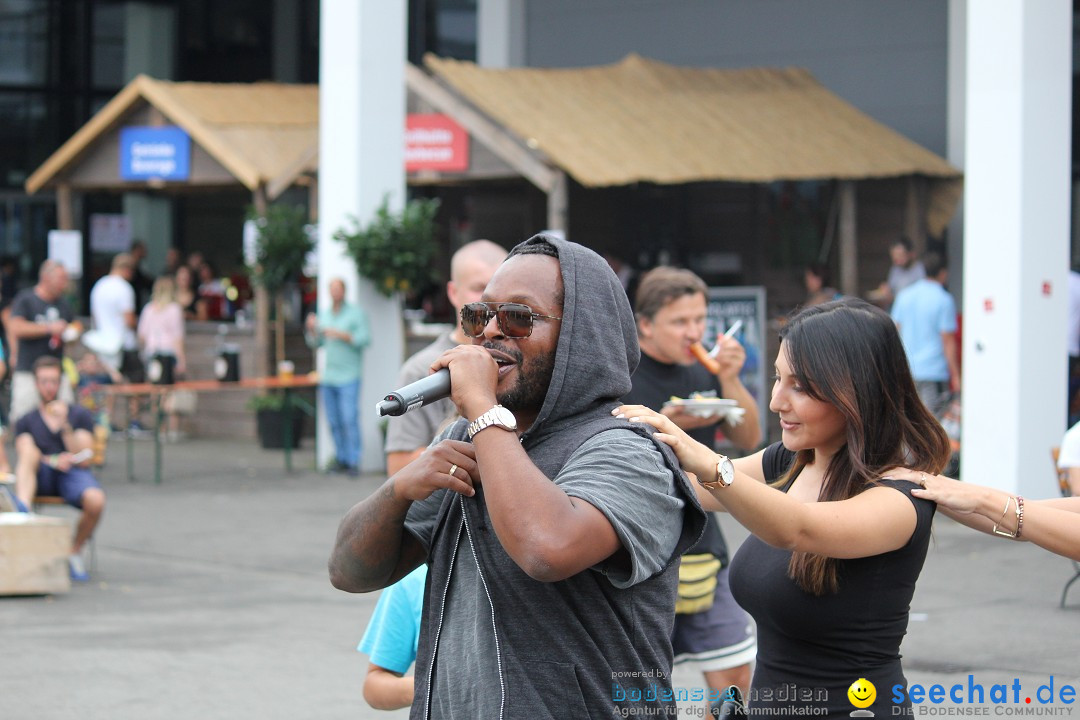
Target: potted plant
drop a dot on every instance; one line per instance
(282, 242)
(395, 251)
(270, 421)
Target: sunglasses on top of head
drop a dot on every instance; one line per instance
(515, 319)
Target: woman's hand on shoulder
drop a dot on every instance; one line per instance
(693, 456)
(946, 492)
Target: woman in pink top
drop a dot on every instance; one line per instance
(161, 331)
(161, 324)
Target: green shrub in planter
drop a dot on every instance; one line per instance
(396, 251)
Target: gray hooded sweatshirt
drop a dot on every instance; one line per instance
(495, 643)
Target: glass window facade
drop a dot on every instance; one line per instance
(63, 60)
(446, 28)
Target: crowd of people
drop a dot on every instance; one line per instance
(515, 510)
(137, 322)
(546, 535)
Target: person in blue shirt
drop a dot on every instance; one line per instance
(925, 314)
(390, 642)
(342, 330)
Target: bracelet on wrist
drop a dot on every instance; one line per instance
(1019, 516)
(998, 525)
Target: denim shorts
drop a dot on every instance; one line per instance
(69, 485)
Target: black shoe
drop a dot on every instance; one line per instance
(351, 471)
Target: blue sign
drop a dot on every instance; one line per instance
(154, 153)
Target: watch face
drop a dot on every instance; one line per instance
(726, 471)
(504, 417)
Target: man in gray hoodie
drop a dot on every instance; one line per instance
(551, 529)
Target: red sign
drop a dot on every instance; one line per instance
(435, 142)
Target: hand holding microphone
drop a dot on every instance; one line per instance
(423, 392)
(477, 376)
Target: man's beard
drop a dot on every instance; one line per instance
(533, 379)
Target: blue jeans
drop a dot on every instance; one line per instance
(340, 403)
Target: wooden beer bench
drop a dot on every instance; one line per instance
(156, 394)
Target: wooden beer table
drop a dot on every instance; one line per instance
(156, 394)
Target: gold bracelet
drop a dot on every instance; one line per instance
(1019, 515)
(1004, 533)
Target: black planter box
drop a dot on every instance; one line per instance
(271, 427)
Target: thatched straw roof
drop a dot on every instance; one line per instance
(640, 120)
(262, 133)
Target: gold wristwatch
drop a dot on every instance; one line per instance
(725, 474)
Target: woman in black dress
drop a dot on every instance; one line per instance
(830, 568)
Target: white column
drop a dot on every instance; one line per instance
(361, 160)
(1019, 72)
(500, 33)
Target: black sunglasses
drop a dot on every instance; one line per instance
(515, 319)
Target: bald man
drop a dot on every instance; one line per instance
(408, 435)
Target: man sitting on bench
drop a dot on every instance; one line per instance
(53, 449)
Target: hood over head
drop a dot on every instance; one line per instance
(598, 347)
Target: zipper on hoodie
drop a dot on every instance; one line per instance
(494, 630)
(442, 616)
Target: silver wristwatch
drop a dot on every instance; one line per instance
(497, 416)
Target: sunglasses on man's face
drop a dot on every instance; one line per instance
(515, 319)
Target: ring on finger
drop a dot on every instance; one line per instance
(453, 469)
(922, 479)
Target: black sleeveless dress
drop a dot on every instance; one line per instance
(812, 648)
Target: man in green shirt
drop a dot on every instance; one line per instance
(342, 329)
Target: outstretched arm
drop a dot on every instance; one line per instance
(875, 521)
(1051, 524)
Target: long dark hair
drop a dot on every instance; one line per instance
(848, 353)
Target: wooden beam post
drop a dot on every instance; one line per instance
(849, 246)
(65, 213)
(915, 213)
(313, 199)
(262, 303)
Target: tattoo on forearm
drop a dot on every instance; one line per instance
(377, 528)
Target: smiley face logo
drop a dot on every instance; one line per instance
(862, 693)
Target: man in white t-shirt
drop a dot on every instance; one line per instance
(1069, 458)
(112, 305)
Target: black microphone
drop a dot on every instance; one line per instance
(424, 391)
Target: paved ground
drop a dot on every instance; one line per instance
(211, 601)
